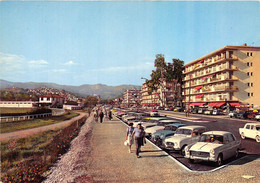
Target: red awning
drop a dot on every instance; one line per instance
(212, 104)
(200, 62)
(198, 87)
(198, 103)
(199, 96)
(219, 104)
(234, 104)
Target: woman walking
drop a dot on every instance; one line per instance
(129, 138)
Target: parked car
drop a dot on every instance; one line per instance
(166, 108)
(154, 113)
(208, 112)
(257, 117)
(250, 130)
(169, 130)
(184, 136)
(251, 115)
(242, 115)
(159, 126)
(232, 114)
(217, 112)
(201, 110)
(215, 146)
(195, 111)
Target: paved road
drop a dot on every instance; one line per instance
(222, 123)
(109, 161)
(25, 133)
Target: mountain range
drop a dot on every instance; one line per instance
(103, 90)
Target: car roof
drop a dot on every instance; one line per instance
(176, 124)
(169, 121)
(252, 124)
(191, 127)
(216, 133)
(159, 118)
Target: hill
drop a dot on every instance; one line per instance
(104, 91)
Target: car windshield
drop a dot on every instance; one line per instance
(217, 139)
(184, 131)
(172, 128)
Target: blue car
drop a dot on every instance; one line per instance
(168, 130)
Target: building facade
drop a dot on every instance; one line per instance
(51, 100)
(132, 98)
(168, 94)
(18, 104)
(227, 76)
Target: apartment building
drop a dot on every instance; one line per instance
(131, 98)
(168, 94)
(227, 76)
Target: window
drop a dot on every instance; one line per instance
(252, 85)
(251, 64)
(247, 64)
(251, 73)
(247, 126)
(252, 94)
(248, 94)
(248, 84)
(251, 54)
(247, 54)
(248, 73)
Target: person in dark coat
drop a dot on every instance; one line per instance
(110, 115)
(101, 116)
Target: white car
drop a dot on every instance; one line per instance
(250, 130)
(257, 117)
(184, 136)
(159, 126)
(215, 146)
(154, 113)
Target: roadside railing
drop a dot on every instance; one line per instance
(23, 117)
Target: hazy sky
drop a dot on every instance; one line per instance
(115, 42)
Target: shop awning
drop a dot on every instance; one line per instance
(199, 96)
(216, 104)
(234, 104)
(198, 103)
(198, 87)
(200, 62)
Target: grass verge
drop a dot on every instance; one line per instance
(28, 159)
(27, 124)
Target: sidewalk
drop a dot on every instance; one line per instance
(25, 133)
(109, 161)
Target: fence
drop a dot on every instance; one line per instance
(24, 117)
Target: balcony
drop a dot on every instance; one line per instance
(216, 61)
(215, 89)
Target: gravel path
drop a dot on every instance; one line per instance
(25, 133)
(98, 155)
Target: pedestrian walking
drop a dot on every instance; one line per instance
(96, 116)
(129, 132)
(110, 115)
(101, 116)
(139, 135)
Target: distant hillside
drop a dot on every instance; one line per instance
(104, 91)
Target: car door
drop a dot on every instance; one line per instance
(247, 130)
(226, 148)
(251, 132)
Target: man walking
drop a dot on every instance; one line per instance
(139, 134)
(101, 116)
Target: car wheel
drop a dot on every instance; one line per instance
(183, 150)
(219, 160)
(242, 135)
(257, 138)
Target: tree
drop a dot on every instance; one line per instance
(164, 72)
(91, 101)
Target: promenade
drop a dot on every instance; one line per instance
(102, 157)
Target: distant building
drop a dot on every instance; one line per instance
(228, 76)
(72, 107)
(132, 98)
(18, 104)
(168, 94)
(54, 101)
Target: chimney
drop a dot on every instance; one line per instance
(244, 44)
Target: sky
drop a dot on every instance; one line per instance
(115, 43)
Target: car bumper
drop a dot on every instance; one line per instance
(213, 159)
